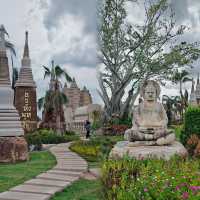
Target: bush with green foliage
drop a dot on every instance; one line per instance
(45, 136)
(191, 124)
(127, 179)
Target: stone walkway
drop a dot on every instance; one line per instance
(70, 167)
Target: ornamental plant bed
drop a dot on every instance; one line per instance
(177, 179)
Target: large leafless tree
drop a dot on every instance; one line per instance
(131, 53)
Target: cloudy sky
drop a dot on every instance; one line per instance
(65, 30)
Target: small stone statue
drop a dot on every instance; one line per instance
(149, 119)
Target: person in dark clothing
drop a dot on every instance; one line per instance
(87, 127)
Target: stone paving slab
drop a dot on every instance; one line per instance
(70, 167)
(46, 182)
(59, 177)
(23, 196)
(70, 173)
(71, 163)
(38, 189)
(68, 159)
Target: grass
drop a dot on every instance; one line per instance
(15, 174)
(81, 190)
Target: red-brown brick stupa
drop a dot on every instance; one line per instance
(25, 93)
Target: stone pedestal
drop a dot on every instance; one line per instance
(13, 149)
(124, 148)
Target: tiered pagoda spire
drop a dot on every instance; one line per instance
(25, 92)
(198, 89)
(74, 84)
(193, 100)
(4, 68)
(25, 75)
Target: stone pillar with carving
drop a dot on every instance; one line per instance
(25, 93)
(13, 146)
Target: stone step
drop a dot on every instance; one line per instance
(75, 164)
(68, 157)
(66, 168)
(46, 182)
(69, 173)
(38, 189)
(71, 165)
(75, 158)
(59, 151)
(23, 196)
(58, 177)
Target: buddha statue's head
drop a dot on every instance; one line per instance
(150, 91)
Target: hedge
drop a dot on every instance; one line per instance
(191, 124)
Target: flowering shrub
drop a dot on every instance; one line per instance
(193, 145)
(129, 179)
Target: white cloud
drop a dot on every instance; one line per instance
(66, 31)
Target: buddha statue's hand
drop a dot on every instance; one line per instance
(158, 133)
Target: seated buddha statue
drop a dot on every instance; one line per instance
(150, 119)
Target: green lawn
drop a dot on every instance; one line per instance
(80, 190)
(15, 174)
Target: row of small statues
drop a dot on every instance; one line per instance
(150, 119)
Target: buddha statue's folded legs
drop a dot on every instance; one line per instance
(159, 137)
(136, 135)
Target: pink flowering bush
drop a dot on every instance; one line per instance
(129, 179)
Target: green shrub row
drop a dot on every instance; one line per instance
(44, 136)
(191, 124)
(129, 179)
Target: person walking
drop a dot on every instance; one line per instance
(87, 127)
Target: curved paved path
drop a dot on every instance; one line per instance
(70, 167)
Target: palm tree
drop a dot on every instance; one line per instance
(173, 106)
(180, 78)
(54, 99)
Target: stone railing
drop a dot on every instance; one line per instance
(76, 126)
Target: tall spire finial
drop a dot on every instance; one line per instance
(3, 32)
(4, 68)
(26, 47)
(193, 83)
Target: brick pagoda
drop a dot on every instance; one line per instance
(25, 93)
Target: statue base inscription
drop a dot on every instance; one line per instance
(13, 149)
(125, 148)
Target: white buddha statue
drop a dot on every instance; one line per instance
(150, 119)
